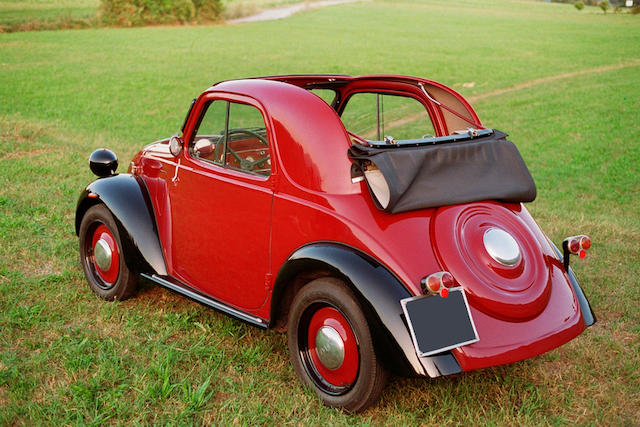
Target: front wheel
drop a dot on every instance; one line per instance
(101, 256)
(331, 347)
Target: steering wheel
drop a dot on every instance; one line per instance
(244, 163)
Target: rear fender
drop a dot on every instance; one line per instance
(379, 292)
(127, 198)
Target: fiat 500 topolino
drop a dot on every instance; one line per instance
(373, 218)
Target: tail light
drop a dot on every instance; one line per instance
(439, 282)
(585, 242)
(576, 245)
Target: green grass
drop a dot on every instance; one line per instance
(16, 15)
(26, 15)
(26, 10)
(67, 357)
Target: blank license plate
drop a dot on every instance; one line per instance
(438, 324)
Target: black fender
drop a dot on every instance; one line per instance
(587, 313)
(127, 197)
(379, 291)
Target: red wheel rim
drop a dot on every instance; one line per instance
(108, 273)
(345, 373)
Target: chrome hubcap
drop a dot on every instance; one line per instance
(102, 255)
(329, 347)
(502, 246)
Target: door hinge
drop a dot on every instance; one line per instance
(268, 282)
(274, 182)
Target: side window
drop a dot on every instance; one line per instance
(209, 141)
(374, 116)
(234, 135)
(247, 144)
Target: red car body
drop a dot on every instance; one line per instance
(247, 243)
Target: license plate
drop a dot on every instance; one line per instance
(439, 324)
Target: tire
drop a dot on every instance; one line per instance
(108, 275)
(331, 348)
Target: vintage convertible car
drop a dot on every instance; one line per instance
(373, 218)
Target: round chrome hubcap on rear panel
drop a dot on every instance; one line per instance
(329, 347)
(502, 246)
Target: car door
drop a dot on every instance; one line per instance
(221, 199)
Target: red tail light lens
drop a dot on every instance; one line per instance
(447, 280)
(439, 282)
(574, 245)
(577, 245)
(433, 284)
(585, 242)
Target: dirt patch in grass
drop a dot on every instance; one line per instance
(29, 153)
(4, 399)
(20, 131)
(553, 78)
(54, 380)
(33, 263)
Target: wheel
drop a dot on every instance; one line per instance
(331, 348)
(102, 258)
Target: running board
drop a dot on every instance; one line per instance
(174, 285)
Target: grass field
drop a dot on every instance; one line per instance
(20, 15)
(26, 15)
(565, 85)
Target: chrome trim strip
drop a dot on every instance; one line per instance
(206, 300)
(427, 94)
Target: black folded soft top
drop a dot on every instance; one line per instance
(447, 171)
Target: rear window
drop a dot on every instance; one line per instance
(376, 115)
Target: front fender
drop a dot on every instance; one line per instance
(379, 292)
(127, 198)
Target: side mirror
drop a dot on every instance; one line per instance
(175, 145)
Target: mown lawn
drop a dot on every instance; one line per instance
(68, 357)
(16, 15)
(26, 15)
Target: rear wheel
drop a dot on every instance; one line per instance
(101, 256)
(331, 348)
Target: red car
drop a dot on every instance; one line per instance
(374, 218)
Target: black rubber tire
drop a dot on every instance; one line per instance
(126, 282)
(371, 377)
